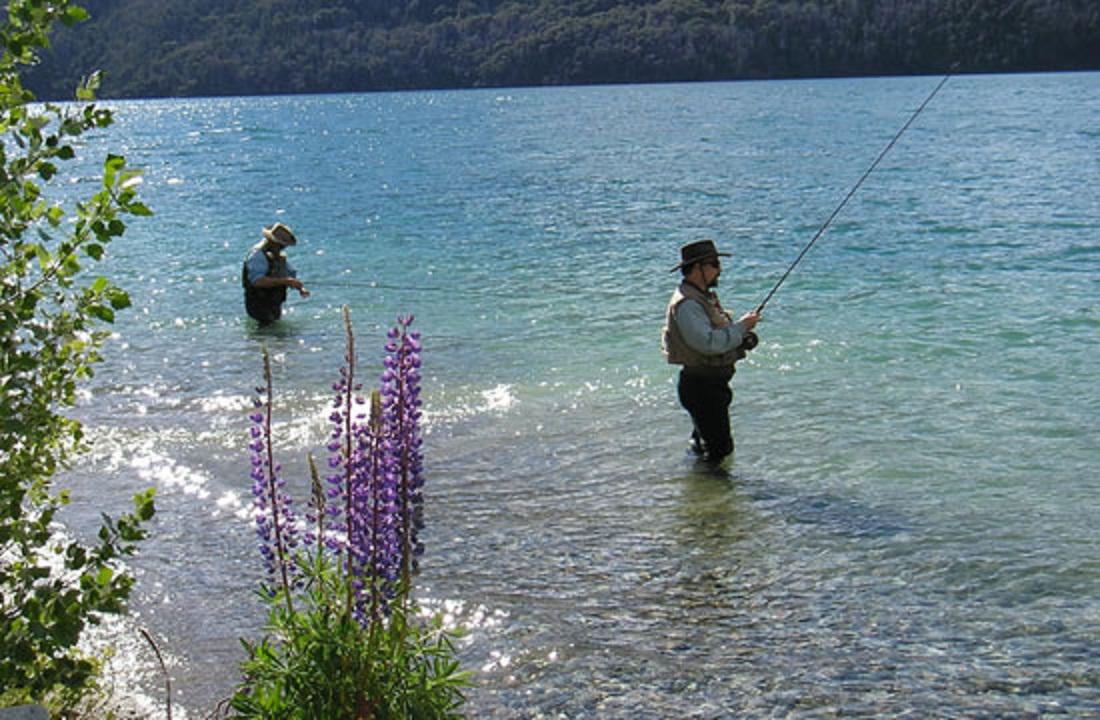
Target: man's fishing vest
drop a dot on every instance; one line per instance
(679, 352)
(267, 301)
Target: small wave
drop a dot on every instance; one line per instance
(1079, 250)
(218, 404)
(937, 229)
(497, 400)
(232, 502)
(1082, 318)
(165, 472)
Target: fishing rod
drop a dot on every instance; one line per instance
(750, 337)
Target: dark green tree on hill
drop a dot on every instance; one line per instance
(219, 47)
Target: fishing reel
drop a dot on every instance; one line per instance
(748, 341)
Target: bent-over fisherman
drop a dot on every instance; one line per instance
(267, 274)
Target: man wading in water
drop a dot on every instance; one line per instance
(266, 275)
(702, 337)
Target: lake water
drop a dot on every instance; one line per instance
(909, 527)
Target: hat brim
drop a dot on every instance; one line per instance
(703, 258)
(272, 237)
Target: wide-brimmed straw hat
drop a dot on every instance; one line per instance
(698, 251)
(280, 235)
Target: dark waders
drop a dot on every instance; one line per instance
(705, 393)
(264, 305)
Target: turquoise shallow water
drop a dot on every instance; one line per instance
(909, 524)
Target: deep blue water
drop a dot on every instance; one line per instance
(909, 524)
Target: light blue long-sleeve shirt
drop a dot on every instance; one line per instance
(257, 265)
(701, 336)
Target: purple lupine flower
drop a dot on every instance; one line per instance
(345, 419)
(384, 482)
(276, 525)
(401, 425)
(366, 512)
(371, 529)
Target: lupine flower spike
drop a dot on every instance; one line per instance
(401, 425)
(367, 513)
(355, 648)
(276, 526)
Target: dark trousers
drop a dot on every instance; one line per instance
(707, 399)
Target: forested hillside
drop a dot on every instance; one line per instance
(220, 47)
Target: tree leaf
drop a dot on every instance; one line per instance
(73, 15)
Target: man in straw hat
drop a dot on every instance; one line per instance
(703, 338)
(266, 275)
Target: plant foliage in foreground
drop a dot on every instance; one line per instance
(51, 587)
(342, 638)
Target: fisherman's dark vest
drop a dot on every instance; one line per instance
(265, 304)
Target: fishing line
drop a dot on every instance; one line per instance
(825, 226)
(369, 284)
(372, 285)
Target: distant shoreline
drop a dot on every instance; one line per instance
(198, 48)
(107, 97)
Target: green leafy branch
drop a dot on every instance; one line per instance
(51, 585)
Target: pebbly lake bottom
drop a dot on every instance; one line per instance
(600, 573)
